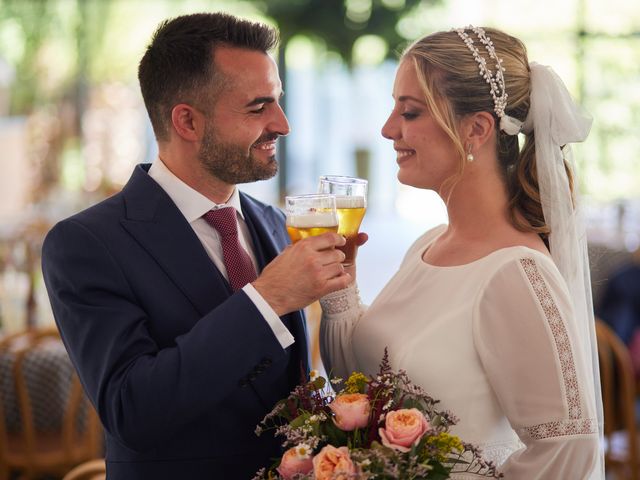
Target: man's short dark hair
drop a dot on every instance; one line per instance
(177, 66)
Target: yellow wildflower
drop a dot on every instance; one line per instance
(355, 383)
(446, 443)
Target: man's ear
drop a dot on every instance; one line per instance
(478, 128)
(187, 122)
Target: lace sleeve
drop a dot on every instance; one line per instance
(341, 303)
(524, 331)
(341, 311)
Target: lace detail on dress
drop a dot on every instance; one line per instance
(559, 331)
(493, 452)
(341, 301)
(499, 452)
(560, 428)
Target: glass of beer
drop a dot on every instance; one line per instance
(351, 203)
(310, 215)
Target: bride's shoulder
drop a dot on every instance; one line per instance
(512, 246)
(527, 262)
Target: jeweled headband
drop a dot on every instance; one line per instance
(508, 124)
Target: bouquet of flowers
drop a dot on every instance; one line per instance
(381, 427)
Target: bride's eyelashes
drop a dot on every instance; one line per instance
(411, 115)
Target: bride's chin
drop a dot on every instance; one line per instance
(412, 181)
(406, 178)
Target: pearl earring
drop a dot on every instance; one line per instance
(470, 157)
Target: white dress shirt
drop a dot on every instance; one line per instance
(193, 205)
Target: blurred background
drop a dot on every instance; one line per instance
(73, 125)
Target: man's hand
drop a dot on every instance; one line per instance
(303, 273)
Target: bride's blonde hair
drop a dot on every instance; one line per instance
(453, 87)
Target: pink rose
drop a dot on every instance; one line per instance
(294, 461)
(351, 411)
(333, 463)
(403, 428)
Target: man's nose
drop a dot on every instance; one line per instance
(280, 124)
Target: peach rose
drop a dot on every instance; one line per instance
(295, 460)
(351, 411)
(403, 428)
(332, 463)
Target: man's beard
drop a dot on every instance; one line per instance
(231, 164)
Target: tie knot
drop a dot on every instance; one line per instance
(223, 220)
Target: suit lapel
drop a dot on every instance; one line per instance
(269, 239)
(264, 230)
(158, 226)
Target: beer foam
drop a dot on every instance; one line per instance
(349, 201)
(313, 220)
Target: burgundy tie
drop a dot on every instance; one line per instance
(240, 269)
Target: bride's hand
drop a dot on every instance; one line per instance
(361, 240)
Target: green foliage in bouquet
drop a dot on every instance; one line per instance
(381, 427)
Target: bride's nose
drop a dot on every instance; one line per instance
(390, 128)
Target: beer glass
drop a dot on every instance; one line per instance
(310, 215)
(351, 203)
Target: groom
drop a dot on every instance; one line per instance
(177, 308)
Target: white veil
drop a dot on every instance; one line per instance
(556, 120)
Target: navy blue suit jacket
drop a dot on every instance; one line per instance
(179, 368)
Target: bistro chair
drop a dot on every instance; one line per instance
(47, 425)
(618, 400)
(91, 470)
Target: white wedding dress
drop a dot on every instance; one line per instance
(493, 341)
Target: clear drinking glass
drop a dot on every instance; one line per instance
(310, 215)
(351, 204)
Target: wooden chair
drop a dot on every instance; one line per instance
(618, 400)
(20, 254)
(91, 470)
(33, 451)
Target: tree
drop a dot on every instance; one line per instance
(339, 23)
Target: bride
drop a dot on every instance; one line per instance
(492, 313)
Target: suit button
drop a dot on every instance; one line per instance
(243, 382)
(251, 377)
(259, 369)
(266, 362)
